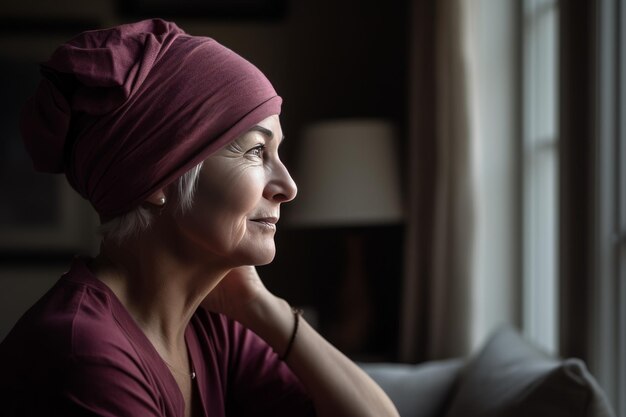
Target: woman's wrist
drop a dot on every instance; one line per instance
(297, 314)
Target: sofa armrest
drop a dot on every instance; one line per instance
(421, 390)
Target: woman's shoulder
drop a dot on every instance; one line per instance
(71, 345)
(229, 340)
(217, 327)
(74, 317)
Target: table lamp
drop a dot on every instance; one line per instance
(347, 176)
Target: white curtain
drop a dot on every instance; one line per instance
(462, 235)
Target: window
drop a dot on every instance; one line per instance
(540, 171)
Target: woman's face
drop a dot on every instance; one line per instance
(238, 198)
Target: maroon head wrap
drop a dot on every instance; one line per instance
(125, 111)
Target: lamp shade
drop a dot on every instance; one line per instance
(347, 175)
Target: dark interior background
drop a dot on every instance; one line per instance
(327, 59)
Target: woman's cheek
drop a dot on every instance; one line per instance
(245, 194)
(231, 214)
(222, 208)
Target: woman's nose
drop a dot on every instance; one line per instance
(281, 188)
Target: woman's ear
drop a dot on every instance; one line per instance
(157, 198)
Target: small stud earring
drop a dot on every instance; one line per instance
(162, 201)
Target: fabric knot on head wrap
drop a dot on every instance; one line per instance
(127, 110)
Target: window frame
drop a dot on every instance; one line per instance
(608, 338)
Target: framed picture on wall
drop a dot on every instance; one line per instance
(38, 212)
(229, 9)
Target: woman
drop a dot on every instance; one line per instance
(174, 141)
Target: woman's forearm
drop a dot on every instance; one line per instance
(337, 385)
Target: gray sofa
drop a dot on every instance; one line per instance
(507, 377)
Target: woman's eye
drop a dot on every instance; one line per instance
(257, 150)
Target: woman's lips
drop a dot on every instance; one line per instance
(269, 222)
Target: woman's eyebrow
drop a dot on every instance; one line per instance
(265, 131)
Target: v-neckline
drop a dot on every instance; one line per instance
(142, 344)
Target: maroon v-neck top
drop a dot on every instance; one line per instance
(78, 352)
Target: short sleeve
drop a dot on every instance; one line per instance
(261, 383)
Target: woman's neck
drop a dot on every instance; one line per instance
(160, 290)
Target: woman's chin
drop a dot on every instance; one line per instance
(265, 258)
(257, 256)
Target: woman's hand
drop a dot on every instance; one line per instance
(236, 293)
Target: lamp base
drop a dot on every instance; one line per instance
(350, 330)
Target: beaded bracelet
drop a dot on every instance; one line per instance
(296, 317)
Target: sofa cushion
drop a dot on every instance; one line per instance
(417, 390)
(511, 377)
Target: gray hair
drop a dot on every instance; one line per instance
(140, 218)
